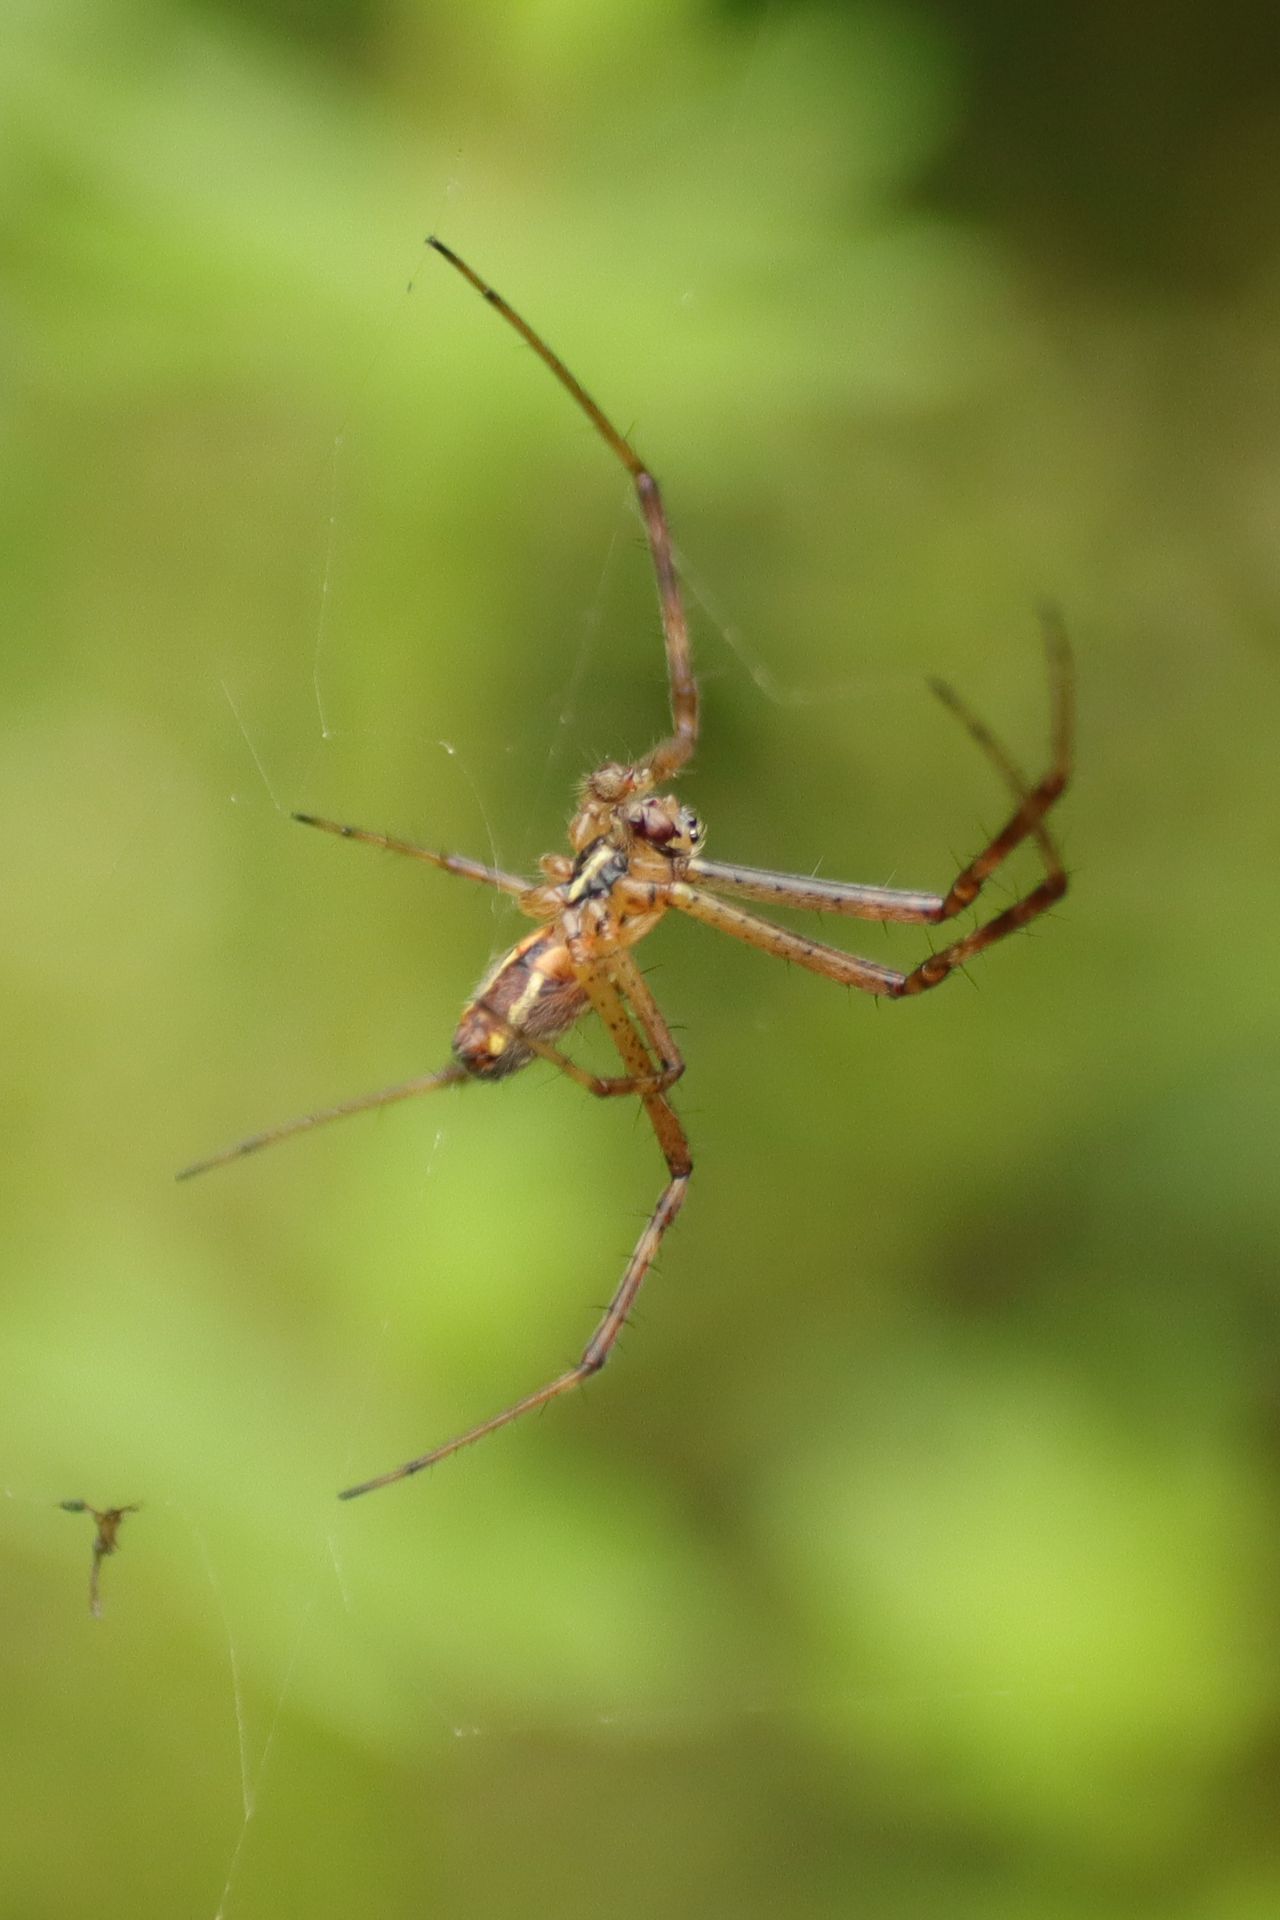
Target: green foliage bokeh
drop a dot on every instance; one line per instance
(918, 1553)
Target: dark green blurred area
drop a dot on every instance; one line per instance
(918, 1555)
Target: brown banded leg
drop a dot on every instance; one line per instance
(885, 904)
(603, 1087)
(607, 1002)
(626, 976)
(450, 1076)
(672, 753)
(933, 971)
(535, 901)
(1034, 802)
(1027, 821)
(850, 969)
(448, 862)
(813, 894)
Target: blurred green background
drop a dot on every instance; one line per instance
(919, 1553)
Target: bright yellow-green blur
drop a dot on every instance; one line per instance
(917, 1555)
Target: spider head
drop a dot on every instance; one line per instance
(660, 821)
(616, 805)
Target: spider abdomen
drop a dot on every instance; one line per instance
(533, 990)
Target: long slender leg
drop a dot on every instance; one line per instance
(450, 862)
(449, 1076)
(606, 1000)
(832, 962)
(1033, 802)
(933, 971)
(627, 977)
(670, 754)
(1027, 821)
(815, 895)
(896, 904)
(645, 1080)
(850, 968)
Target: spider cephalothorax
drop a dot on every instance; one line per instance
(636, 854)
(614, 894)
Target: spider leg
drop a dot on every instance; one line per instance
(933, 971)
(670, 754)
(606, 999)
(832, 962)
(449, 1076)
(646, 1080)
(813, 894)
(628, 979)
(450, 862)
(1026, 821)
(927, 909)
(850, 969)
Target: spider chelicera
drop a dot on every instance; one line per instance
(636, 853)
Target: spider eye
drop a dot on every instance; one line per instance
(689, 832)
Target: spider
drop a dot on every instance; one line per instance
(106, 1541)
(636, 854)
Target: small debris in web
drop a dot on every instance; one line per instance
(108, 1524)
